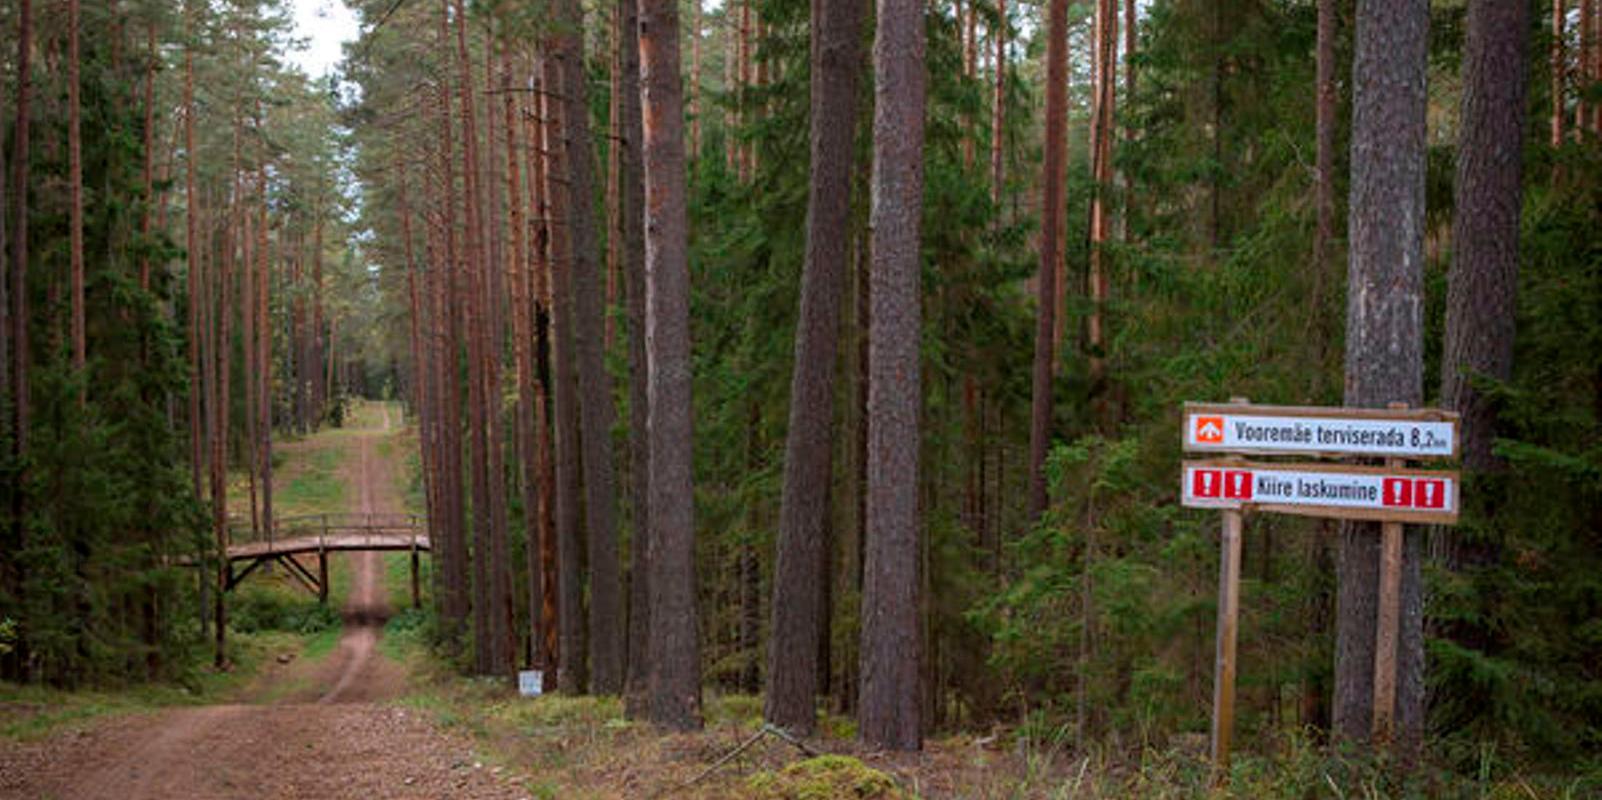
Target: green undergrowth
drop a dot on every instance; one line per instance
(29, 712)
(406, 635)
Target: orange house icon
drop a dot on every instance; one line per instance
(1210, 430)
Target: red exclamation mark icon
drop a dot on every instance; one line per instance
(1238, 485)
(1398, 492)
(1429, 493)
(1206, 483)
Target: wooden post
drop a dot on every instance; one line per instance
(1228, 623)
(417, 601)
(322, 576)
(1388, 626)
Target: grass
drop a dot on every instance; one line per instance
(33, 712)
(310, 482)
(584, 747)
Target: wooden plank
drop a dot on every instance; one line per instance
(1344, 491)
(1228, 625)
(1412, 433)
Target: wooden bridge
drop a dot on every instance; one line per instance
(294, 539)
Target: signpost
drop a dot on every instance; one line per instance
(1324, 490)
(1391, 494)
(1295, 430)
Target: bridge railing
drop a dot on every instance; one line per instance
(322, 526)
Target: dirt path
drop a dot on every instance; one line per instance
(333, 739)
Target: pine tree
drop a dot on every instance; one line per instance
(1384, 340)
(890, 716)
(675, 680)
(801, 573)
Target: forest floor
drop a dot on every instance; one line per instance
(308, 726)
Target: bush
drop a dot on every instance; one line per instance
(257, 609)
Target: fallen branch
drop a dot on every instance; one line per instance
(767, 729)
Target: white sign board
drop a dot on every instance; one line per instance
(1281, 430)
(530, 682)
(1324, 490)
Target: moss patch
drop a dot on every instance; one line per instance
(825, 778)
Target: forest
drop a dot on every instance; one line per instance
(829, 354)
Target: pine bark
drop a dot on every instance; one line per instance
(1324, 187)
(519, 277)
(544, 591)
(1559, 68)
(264, 355)
(631, 235)
(450, 333)
(503, 646)
(890, 714)
(570, 608)
(801, 571)
(192, 253)
(1384, 339)
(18, 276)
(75, 186)
(1481, 298)
(998, 108)
(1106, 97)
(675, 680)
(695, 79)
(1052, 216)
(607, 627)
(478, 336)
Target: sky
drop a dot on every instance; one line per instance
(324, 25)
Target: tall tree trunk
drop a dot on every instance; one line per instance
(632, 235)
(595, 383)
(570, 608)
(801, 570)
(1581, 115)
(1105, 88)
(675, 682)
(451, 332)
(1384, 339)
(264, 354)
(192, 251)
(1483, 283)
(477, 342)
(695, 79)
(75, 185)
(221, 366)
(998, 108)
(1559, 67)
(247, 315)
(539, 200)
(503, 646)
(18, 276)
(1052, 220)
(890, 715)
(519, 276)
(1324, 187)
